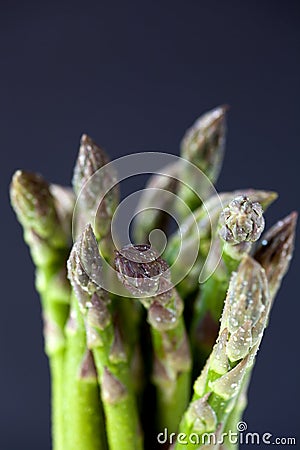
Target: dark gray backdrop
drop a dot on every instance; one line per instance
(134, 75)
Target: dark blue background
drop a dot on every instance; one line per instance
(134, 75)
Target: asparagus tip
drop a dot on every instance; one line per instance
(34, 205)
(241, 221)
(90, 158)
(85, 265)
(141, 270)
(85, 139)
(276, 249)
(203, 144)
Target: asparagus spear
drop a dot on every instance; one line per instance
(91, 181)
(274, 254)
(84, 423)
(48, 236)
(96, 202)
(245, 315)
(203, 146)
(147, 277)
(103, 340)
(240, 224)
(276, 250)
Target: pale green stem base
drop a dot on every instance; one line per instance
(56, 362)
(122, 424)
(84, 428)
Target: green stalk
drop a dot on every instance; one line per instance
(118, 399)
(56, 363)
(96, 204)
(243, 321)
(172, 374)
(47, 235)
(274, 254)
(147, 277)
(240, 224)
(128, 319)
(84, 425)
(55, 315)
(97, 197)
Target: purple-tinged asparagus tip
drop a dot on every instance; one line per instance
(276, 250)
(85, 263)
(142, 271)
(90, 158)
(203, 144)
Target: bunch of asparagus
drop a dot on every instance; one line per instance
(126, 367)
